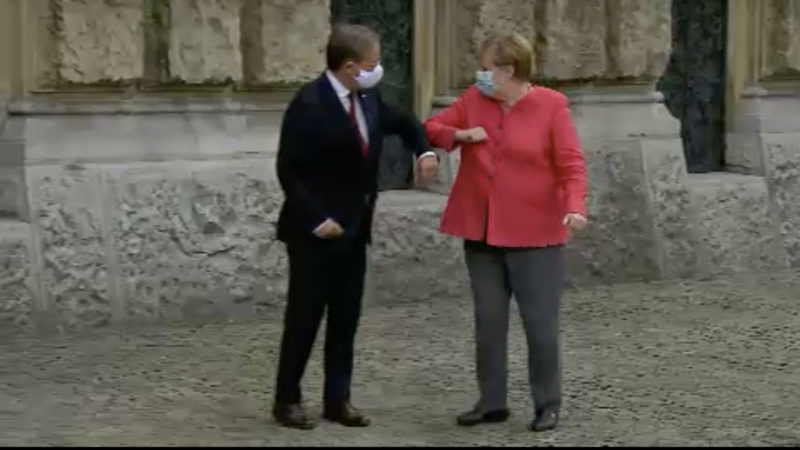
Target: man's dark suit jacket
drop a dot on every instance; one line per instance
(320, 164)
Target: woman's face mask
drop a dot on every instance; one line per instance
(485, 81)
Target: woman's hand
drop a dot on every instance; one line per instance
(472, 135)
(575, 221)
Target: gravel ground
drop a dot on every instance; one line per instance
(694, 363)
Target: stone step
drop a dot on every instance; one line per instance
(410, 258)
(16, 299)
(736, 228)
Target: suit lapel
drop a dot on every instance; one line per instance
(331, 103)
(339, 117)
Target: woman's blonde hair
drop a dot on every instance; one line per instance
(511, 49)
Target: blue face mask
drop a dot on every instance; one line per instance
(485, 82)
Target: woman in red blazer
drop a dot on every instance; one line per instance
(520, 189)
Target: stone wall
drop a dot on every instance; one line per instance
(150, 217)
(782, 38)
(576, 40)
(256, 42)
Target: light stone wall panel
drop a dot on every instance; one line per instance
(98, 40)
(782, 40)
(204, 41)
(284, 40)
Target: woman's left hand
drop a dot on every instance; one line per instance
(575, 221)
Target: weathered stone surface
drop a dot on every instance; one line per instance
(284, 40)
(106, 138)
(638, 38)
(782, 160)
(614, 113)
(410, 258)
(782, 28)
(196, 240)
(619, 244)
(505, 16)
(205, 41)
(467, 24)
(12, 191)
(16, 295)
(675, 233)
(71, 265)
(736, 229)
(99, 40)
(573, 39)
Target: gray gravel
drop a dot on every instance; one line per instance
(692, 363)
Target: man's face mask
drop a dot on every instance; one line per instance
(368, 79)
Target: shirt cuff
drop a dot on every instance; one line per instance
(427, 154)
(319, 227)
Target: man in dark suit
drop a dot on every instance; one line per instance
(330, 145)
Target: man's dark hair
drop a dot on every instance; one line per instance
(349, 42)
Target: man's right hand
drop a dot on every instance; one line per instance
(329, 229)
(472, 135)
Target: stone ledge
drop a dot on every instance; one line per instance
(87, 139)
(410, 258)
(737, 232)
(143, 105)
(588, 95)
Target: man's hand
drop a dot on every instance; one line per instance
(575, 221)
(329, 230)
(472, 135)
(428, 168)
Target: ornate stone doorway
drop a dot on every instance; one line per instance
(694, 81)
(393, 19)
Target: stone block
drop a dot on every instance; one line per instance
(782, 160)
(196, 239)
(410, 258)
(638, 38)
(504, 16)
(98, 40)
(782, 28)
(675, 222)
(13, 193)
(467, 26)
(619, 244)
(573, 39)
(760, 112)
(204, 41)
(743, 153)
(615, 113)
(284, 40)
(149, 137)
(71, 247)
(16, 288)
(737, 231)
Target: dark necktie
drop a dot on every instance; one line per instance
(364, 145)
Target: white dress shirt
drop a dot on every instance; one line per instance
(344, 97)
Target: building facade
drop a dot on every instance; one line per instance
(138, 141)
